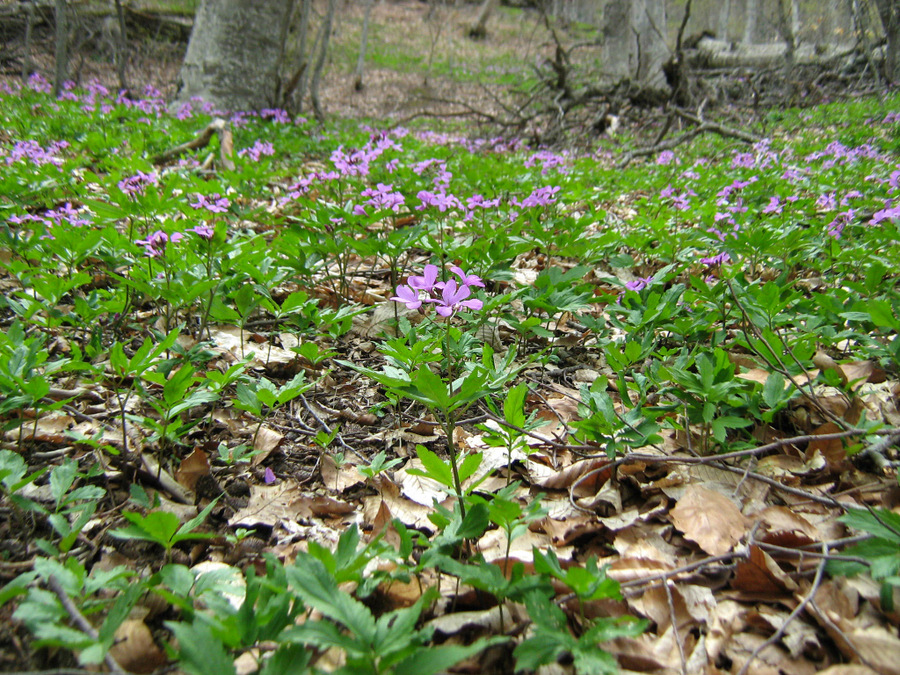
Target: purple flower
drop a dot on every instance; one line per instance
(259, 149)
(774, 206)
(452, 298)
(885, 214)
(137, 184)
(743, 160)
(665, 157)
(155, 244)
(269, 476)
(442, 201)
(467, 279)
(543, 196)
(448, 297)
(215, 203)
(425, 282)
(408, 296)
(717, 260)
(203, 231)
(383, 197)
(639, 284)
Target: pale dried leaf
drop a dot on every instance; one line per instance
(192, 468)
(710, 519)
(134, 648)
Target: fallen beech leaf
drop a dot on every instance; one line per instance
(760, 574)
(266, 441)
(134, 648)
(562, 480)
(192, 468)
(710, 519)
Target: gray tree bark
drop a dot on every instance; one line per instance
(889, 11)
(62, 46)
(751, 14)
(27, 64)
(236, 52)
(478, 30)
(320, 62)
(634, 41)
(723, 20)
(363, 42)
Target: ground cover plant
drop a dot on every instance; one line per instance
(364, 399)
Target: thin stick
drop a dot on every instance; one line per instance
(81, 622)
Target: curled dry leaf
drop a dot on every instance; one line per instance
(134, 648)
(761, 575)
(710, 519)
(192, 468)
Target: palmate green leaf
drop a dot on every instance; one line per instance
(156, 526)
(288, 659)
(431, 660)
(880, 522)
(318, 589)
(200, 653)
(435, 468)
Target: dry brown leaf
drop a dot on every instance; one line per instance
(692, 606)
(239, 344)
(833, 450)
(710, 519)
(761, 575)
(339, 478)
(134, 648)
(778, 520)
(265, 442)
(192, 468)
(562, 480)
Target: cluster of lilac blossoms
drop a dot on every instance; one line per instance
(447, 296)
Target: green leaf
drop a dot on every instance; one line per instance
(318, 589)
(288, 659)
(200, 653)
(435, 468)
(880, 522)
(430, 660)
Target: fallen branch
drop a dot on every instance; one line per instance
(226, 144)
(703, 127)
(82, 623)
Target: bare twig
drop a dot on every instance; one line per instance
(81, 622)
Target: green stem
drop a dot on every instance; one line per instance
(449, 425)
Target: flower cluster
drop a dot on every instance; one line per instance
(447, 296)
(137, 184)
(381, 197)
(155, 244)
(257, 150)
(214, 203)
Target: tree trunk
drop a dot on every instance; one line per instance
(478, 31)
(751, 13)
(235, 54)
(785, 28)
(363, 41)
(889, 11)
(27, 66)
(795, 18)
(723, 19)
(121, 47)
(320, 62)
(62, 44)
(302, 75)
(634, 41)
